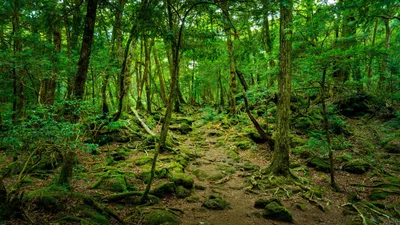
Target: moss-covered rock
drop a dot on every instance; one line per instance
(162, 217)
(274, 211)
(163, 189)
(182, 192)
(193, 199)
(357, 166)
(320, 164)
(50, 198)
(142, 160)
(216, 202)
(182, 179)
(114, 183)
(262, 203)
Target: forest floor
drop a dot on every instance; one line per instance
(224, 162)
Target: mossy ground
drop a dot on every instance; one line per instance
(219, 158)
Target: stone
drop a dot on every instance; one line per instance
(158, 217)
(320, 164)
(216, 202)
(163, 189)
(182, 179)
(357, 166)
(182, 192)
(274, 211)
(262, 203)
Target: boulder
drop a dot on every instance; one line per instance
(216, 202)
(275, 211)
(357, 166)
(320, 164)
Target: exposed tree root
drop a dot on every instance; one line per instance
(118, 197)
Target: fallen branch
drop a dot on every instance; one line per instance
(118, 197)
(144, 125)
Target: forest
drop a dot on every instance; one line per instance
(209, 112)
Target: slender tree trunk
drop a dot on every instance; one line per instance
(371, 56)
(146, 79)
(83, 63)
(280, 162)
(18, 88)
(139, 78)
(232, 68)
(382, 77)
(160, 77)
(327, 134)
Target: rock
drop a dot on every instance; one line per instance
(158, 217)
(115, 183)
(320, 164)
(393, 146)
(262, 203)
(357, 166)
(274, 211)
(163, 189)
(199, 187)
(50, 198)
(182, 192)
(182, 179)
(301, 206)
(216, 202)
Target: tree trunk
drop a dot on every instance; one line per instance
(160, 77)
(232, 68)
(280, 162)
(382, 77)
(146, 78)
(48, 85)
(83, 63)
(18, 90)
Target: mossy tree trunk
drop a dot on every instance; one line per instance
(280, 163)
(66, 169)
(232, 68)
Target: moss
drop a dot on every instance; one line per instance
(250, 167)
(320, 164)
(142, 160)
(393, 146)
(182, 179)
(158, 217)
(296, 141)
(379, 194)
(357, 166)
(275, 211)
(96, 217)
(262, 203)
(199, 187)
(216, 202)
(353, 197)
(115, 183)
(163, 189)
(243, 145)
(301, 206)
(303, 153)
(193, 199)
(50, 198)
(182, 192)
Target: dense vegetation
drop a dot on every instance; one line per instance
(113, 111)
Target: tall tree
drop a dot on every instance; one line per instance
(83, 63)
(280, 162)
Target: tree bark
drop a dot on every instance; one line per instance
(371, 56)
(83, 63)
(280, 162)
(382, 75)
(160, 77)
(18, 88)
(232, 68)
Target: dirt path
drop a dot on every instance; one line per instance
(220, 170)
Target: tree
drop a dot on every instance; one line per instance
(280, 163)
(83, 63)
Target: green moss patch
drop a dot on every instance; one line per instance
(182, 192)
(357, 166)
(320, 164)
(158, 217)
(216, 202)
(275, 211)
(262, 203)
(163, 189)
(182, 179)
(51, 198)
